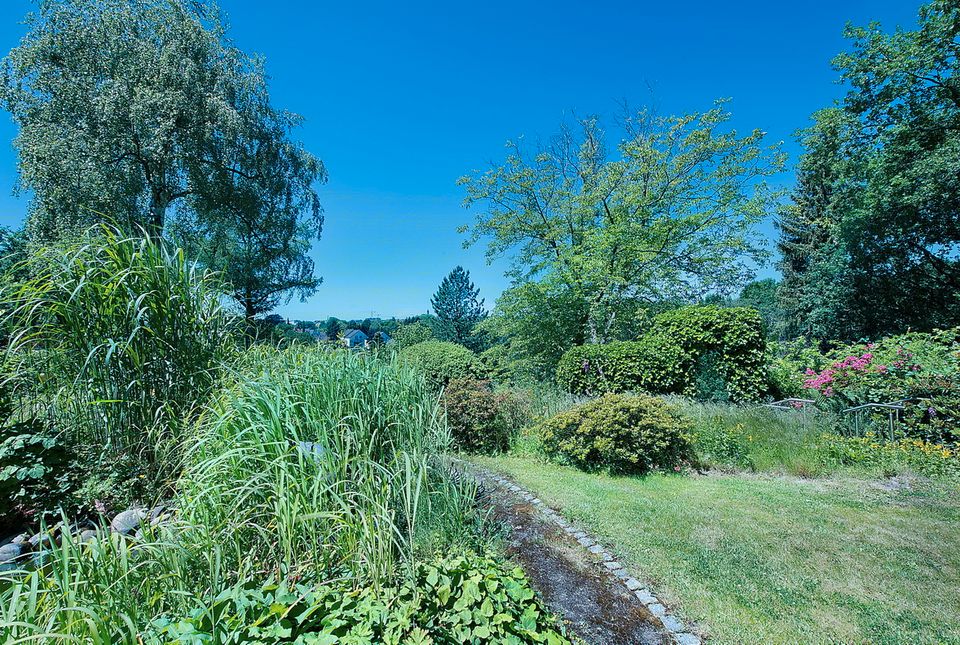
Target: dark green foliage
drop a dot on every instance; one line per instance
(477, 416)
(937, 417)
(870, 244)
(440, 361)
(762, 296)
(456, 599)
(458, 306)
(646, 365)
(35, 472)
(620, 433)
(665, 359)
(708, 381)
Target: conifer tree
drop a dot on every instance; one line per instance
(458, 305)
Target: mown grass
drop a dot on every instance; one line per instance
(763, 559)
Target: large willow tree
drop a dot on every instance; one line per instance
(666, 212)
(144, 114)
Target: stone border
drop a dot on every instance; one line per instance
(673, 625)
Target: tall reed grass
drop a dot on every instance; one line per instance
(311, 465)
(116, 341)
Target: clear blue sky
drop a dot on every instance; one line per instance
(400, 99)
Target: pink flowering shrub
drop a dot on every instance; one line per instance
(862, 378)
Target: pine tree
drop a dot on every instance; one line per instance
(807, 242)
(458, 305)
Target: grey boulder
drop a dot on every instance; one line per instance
(128, 521)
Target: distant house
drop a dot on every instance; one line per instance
(354, 338)
(379, 338)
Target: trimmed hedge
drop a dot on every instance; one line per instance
(620, 433)
(665, 359)
(441, 362)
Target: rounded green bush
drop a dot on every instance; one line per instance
(624, 434)
(441, 361)
(477, 416)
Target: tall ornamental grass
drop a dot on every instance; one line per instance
(312, 465)
(323, 460)
(117, 341)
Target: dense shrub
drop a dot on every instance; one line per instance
(617, 432)
(479, 419)
(921, 369)
(456, 599)
(666, 359)
(413, 333)
(935, 416)
(786, 364)
(441, 361)
(647, 365)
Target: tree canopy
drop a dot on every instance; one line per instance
(667, 213)
(143, 113)
(870, 244)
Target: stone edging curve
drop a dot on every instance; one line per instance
(671, 624)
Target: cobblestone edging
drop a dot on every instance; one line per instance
(673, 625)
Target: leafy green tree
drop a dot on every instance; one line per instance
(871, 245)
(413, 333)
(121, 107)
(333, 327)
(255, 223)
(668, 214)
(538, 321)
(458, 305)
(144, 113)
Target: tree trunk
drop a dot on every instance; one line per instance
(158, 213)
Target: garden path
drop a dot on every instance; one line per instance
(573, 582)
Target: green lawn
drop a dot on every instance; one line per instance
(762, 559)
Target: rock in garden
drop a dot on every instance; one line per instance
(10, 552)
(88, 535)
(672, 624)
(40, 540)
(158, 514)
(311, 450)
(128, 521)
